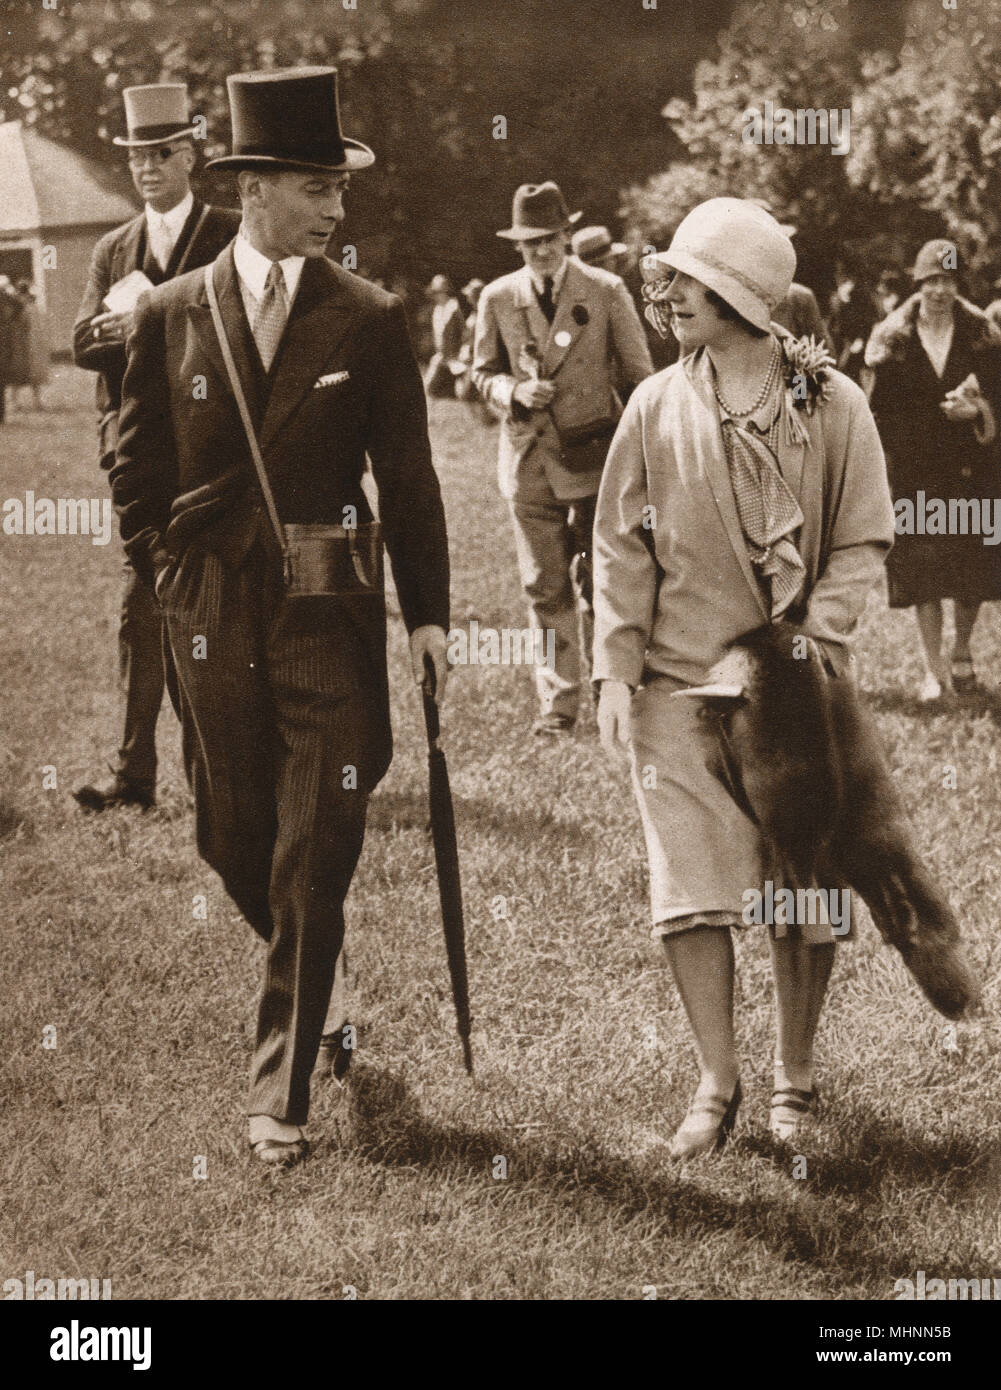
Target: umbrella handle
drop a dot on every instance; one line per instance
(428, 690)
(429, 685)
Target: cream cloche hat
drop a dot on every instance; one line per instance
(734, 247)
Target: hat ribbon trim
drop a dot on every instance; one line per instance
(767, 299)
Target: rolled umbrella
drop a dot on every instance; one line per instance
(446, 857)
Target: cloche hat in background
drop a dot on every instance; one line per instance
(930, 258)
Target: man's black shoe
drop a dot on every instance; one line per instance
(334, 1058)
(553, 725)
(117, 793)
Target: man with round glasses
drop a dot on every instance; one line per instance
(174, 232)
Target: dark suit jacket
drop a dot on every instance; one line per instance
(117, 254)
(184, 473)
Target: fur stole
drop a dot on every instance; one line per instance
(890, 338)
(805, 758)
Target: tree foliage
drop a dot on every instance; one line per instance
(925, 157)
(421, 82)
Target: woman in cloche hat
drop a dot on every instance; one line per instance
(745, 486)
(937, 365)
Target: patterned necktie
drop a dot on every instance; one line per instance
(269, 321)
(546, 299)
(769, 514)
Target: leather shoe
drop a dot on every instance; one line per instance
(276, 1143)
(553, 725)
(116, 793)
(279, 1153)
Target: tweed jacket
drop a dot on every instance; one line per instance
(595, 329)
(673, 583)
(205, 232)
(344, 384)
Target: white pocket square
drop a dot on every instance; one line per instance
(331, 379)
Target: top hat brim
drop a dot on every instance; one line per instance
(529, 233)
(356, 156)
(124, 140)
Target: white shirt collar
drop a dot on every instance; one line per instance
(252, 267)
(173, 220)
(558, 279)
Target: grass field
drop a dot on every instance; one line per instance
(584, 1067)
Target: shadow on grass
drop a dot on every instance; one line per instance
(11, 820)
(409, 811)
(903, 702)
(876, 1150)
(383, 1121)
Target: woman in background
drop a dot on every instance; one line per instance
(936, 361)
(29, 366)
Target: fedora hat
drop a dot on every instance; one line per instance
(591, 242)
(930, 257)
(155, 114)
(538, 209)
(734, 247)
(289, 119)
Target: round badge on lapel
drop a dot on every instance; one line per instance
(562, 338)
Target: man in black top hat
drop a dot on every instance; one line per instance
(174, 232)
(283, 699)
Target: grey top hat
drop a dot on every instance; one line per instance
(155, 114)
(289, 119)
(538, 209)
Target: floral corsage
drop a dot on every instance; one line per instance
(806, 368)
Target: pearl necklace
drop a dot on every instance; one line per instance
(763, 394)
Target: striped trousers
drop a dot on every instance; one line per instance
(285, 726)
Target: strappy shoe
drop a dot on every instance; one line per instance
(790, 1107)
(707, 1126)
(964, 678)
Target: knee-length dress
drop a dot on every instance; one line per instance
(932, 459)
(674, 588)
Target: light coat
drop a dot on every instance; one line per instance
(673, 583)
(595, 328)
